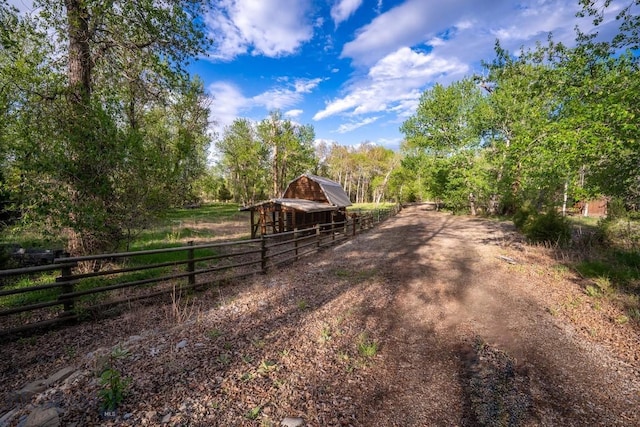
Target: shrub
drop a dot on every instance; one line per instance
(550, 227)
(621, 233)
(522, 215)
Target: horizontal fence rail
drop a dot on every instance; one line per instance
(74, 287)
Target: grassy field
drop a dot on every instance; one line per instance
(176, 225)
(180, 225)
(174, 229)
(369, 207)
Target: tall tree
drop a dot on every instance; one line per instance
(113, 66)
(291, 149)
(446, 131)
(244, 159)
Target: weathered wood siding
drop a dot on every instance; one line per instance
(305, 188)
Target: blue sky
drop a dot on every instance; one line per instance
(355, 69)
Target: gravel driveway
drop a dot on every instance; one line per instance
(428, 319)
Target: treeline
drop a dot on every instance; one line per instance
(101, 128)
(542, 129)
(257, 161)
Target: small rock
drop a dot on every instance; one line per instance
(30, 390)
(292, 422)
(181, 344)
(61, 375)
(5, 420)
(166, 418)
(200, 344)
(134, 338)
(127, 416)
(40, 417)
(74, 376)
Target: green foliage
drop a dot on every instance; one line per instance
(617, 269)
(550, 227)
(445, 146)
(553, 122)
(100, 148)
(366, 346)
(113, 387)
(290, 148)
(616, 209)
(244, 161)
(523, 215)
(253, 413)
(621, 233)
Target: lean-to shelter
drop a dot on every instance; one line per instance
(308, 200)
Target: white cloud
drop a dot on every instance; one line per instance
(230, 103)
(227, 105)
(390, 143)
(293, 113)
(395, 83)
(285, 96)
(343, 9)
(468, 22)
(262, 27)
(348, 127)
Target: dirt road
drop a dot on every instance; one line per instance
(428, 319)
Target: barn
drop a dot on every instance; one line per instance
(308, 200)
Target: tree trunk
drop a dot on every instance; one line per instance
(564, 198)
(79, 71)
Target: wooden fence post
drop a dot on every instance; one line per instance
(295, 241)
(354, 220)
(191, 265)
(318, 235)
(67, 288)
(333, 229)
(263, 254)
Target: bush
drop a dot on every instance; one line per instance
(616, 209)
(550, 227)
(621, 233)
(522, 215)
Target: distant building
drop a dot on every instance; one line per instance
(593, 207)
(307, 201)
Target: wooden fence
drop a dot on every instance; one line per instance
(94, 283)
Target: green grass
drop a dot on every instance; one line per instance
(208, 212)
(31, 297)
(367, 347)
(584, 221)
(173, 225)
(615, 276)
(369, 207)
(621, 268)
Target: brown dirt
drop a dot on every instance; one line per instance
(471, 326)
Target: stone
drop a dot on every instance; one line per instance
(181, 344)
(61, 375)
(6, 419)
(30, 390)
(41, 417)
(166, 419)
(74, 376)
(134, 338)
(292, 422)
